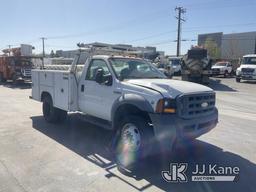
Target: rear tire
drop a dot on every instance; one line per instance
(132, 143)
(51, 113)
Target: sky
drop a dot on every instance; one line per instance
(137, 22)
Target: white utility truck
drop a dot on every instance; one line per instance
(222, 68)
(175, 63)
(247, 70)
(145, 110)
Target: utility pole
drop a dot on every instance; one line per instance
(181, 11)
(9, 51)
(43, 39)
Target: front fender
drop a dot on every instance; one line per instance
(132, 99)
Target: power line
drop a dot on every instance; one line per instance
(119, 26)
(151, 36)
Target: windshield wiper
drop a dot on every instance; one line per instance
(154, 78)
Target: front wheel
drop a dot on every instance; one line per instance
(133, 142)
(226, 74)
(238, 80)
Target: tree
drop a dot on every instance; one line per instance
(212, 48)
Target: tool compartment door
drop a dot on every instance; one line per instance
(61, 90)
(35, 86)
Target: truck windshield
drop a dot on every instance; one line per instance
(249, 61)
(175, 62)
(220, 64)
(126, 68)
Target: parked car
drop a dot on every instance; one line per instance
(247, 70)
(222, 68)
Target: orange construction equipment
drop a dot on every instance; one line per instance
(16, 68)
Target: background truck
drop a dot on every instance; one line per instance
(222, 68)
(175, 65)
(196, 66)
(16, 64)
(146, 111)
(15, 68)
(247, 70)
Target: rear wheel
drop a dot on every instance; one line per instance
(133, 143)
(51, 113)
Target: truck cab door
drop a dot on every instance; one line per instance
(96, 99)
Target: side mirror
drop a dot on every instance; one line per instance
(99, 76)
(103, 79)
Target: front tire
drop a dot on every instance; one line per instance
(238, 80)
(132, 143)
(226, 74)
(51, 113)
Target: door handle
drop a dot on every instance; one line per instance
(82, 88)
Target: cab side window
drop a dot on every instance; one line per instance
(95, 65)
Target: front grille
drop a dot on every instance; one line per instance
(216, 70)
(196, 105)
(247, 70)
(26, 72)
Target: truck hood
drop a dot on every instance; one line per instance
(168, 87)
(218, 67)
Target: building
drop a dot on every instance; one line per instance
(229, 46)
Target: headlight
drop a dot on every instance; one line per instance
(166, 105)
(238, 71)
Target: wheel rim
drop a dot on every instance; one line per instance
(128, 145)
(130, 137)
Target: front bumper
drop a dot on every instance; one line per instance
(204, 72)
(170, 128)
(215, 72)
(247, 76)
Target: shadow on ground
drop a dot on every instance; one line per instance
(18, 85)
(92, 142)
(216, 85)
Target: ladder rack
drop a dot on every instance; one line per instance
(99, 50)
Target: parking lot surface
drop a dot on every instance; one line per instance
(36, 156)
